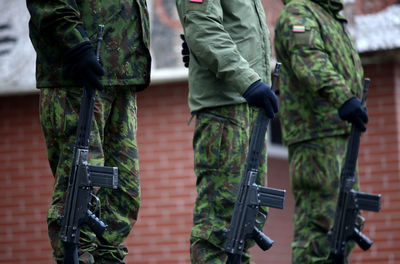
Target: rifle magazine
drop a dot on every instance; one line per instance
(271, 197)
(103, 176)
(366, 201)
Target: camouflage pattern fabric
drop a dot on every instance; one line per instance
(112, 143)
(125, 48)
(220, 143)
(314, 168)
(320, 69)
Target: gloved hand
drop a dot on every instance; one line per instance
(259, 94)
(352, 111)
(185, 52)
(81, 64)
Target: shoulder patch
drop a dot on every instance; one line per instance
(301, 36)
(298, 28)
(196, 5)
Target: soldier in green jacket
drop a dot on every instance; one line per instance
(63, 34)
(322, 80)
(229, 77)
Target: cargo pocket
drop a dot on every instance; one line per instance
(212, 234)
(309, 252)
(207, 142)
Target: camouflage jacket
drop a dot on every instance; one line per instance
(321, 69)
(125, 48)
(229, 47)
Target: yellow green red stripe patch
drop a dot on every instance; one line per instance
(299, 29)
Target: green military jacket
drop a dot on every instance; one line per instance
(229, 48)
(125, 48)
(321, 69)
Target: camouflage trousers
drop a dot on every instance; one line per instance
(112, 143)
(220, 143)
(314, 168)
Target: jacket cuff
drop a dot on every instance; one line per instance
(342, 94)
(243, 81)
(74, 37)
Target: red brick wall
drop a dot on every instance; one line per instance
(162, 232)
(26, 183)
(372, 6)
(272, 10)
(168, 184)
(166, 165)
(161, 235)
(379, 162)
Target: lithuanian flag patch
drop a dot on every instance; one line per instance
(299, 29)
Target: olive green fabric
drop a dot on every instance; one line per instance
(124, 51)
(112, 143)
(220, 143)
(321, 69)
(229, 49)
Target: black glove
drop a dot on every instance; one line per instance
(260, 94)
(185, 52)
(81, 64)
(354, 112)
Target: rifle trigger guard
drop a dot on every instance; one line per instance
(264, 216)
(97, 205)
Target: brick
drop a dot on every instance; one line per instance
(161, 234)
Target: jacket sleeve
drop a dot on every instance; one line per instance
(58, 21)
(309, 59)
(212, 46)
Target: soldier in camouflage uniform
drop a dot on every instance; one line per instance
(227, 82)
(64, 34)
(320, 86)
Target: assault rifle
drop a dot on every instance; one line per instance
(83, 177)
(251, 196)
(346, 226)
